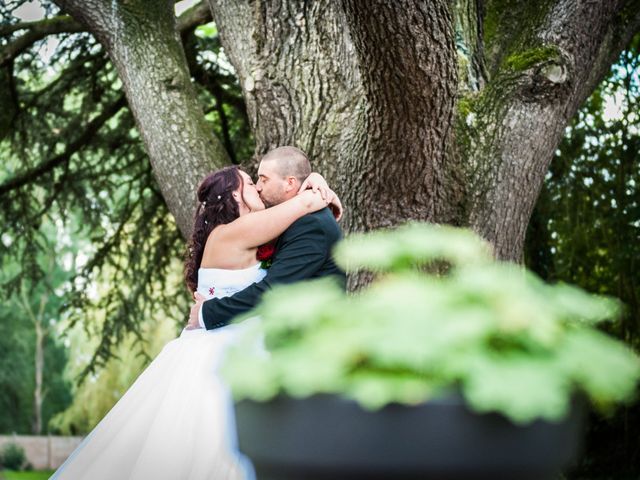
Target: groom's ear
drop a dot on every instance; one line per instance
(292, 184)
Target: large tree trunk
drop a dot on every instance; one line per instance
(368, 90)
(141, 39)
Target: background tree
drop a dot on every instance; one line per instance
(30, 346)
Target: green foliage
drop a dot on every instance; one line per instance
(208, 30)
(219, 91)
(410, 246)
(509, 342)
(12, 457)
(16, 375)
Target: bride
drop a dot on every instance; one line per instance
(176, 421)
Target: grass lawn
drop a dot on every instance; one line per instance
(33, 475)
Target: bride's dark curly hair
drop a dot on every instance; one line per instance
(216, 207)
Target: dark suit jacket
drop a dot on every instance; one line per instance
(302, 252)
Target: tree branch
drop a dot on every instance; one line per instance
(58, 24)
(8, 99)
(199, 14)
(35, 31)
(619, 34)
(224, 125)
(92, 128)
(213, 82)
(191, 18)
(24, 300)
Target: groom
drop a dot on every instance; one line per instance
(302, 252)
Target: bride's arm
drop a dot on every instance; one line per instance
(317, 183)
(257, 228)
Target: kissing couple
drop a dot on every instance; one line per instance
(176, 421)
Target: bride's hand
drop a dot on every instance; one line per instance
(317, 183)
(312, 201)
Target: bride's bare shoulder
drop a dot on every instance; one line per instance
(221, 252)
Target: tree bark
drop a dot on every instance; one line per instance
(141, 39)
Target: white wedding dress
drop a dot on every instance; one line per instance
(176, 421)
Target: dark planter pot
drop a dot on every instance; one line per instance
(328, 437)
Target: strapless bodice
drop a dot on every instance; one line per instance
(218, 282)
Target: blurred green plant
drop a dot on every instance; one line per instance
(495, 332)
(13, 457)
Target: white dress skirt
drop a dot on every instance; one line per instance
(176, 421)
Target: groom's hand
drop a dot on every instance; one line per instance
(195, 311)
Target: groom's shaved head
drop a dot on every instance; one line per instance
(289, 162)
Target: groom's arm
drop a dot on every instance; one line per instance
(302, 251)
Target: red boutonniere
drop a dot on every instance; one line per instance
(265, 254)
